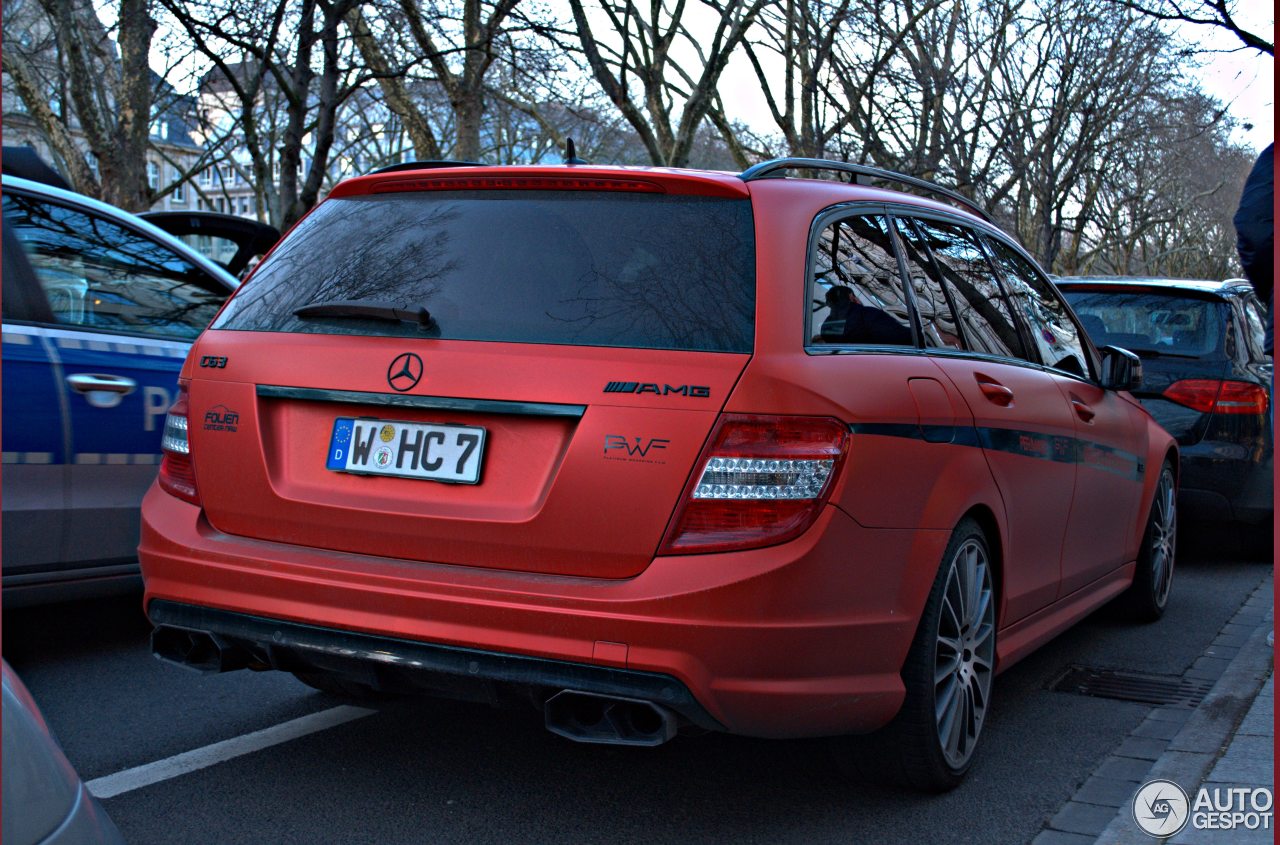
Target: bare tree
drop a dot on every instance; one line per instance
(818, 61)
(279, 75)
(664, 101)
(455, 43)
(109, 86)
(1161, 202)
(1215, 13)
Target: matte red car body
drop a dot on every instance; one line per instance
(555, 556)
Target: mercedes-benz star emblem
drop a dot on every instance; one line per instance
(405, 372)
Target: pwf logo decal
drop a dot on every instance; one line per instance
(221, 418)
(635, 449)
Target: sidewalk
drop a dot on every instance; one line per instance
(1227, 742)
(1246, 763)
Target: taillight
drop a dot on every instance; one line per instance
(761, 480)
(1220, 397)
(177, 473)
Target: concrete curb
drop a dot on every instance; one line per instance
(1193, 751)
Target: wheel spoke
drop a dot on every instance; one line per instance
(955, 727)
(950, 611)
(945, 710)
(984, 632)
(971, 585)
(945, 700)
(983, 602)
(979, 697)
(956, 597)
(946, 670)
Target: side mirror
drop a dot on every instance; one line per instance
(1121, 369)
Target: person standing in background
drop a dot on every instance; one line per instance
(1255, 234)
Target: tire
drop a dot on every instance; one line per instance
(340, 687)
(1147, 597)
(948, 675)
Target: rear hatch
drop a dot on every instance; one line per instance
(1181, 337)
(513, 379)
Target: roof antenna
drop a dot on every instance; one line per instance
(571, 154)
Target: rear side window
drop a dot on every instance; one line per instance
(983, 311)
(97, 274)
(1057, 340)
(856, 292)
(933, 302)
(580, 268)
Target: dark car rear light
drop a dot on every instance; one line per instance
(1219, 397)
(761, 480)
(177, 472)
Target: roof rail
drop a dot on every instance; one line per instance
(769, 169)
(422, 165)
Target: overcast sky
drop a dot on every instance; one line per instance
(1243, 79)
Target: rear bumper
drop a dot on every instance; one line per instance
(803, 639)
(1226, 482)
(404, 665)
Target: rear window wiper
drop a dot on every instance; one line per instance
(366, 309)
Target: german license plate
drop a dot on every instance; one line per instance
(434, 452)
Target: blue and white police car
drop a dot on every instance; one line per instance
(100, 308)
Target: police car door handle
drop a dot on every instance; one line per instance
(86, 382)
(102, 390)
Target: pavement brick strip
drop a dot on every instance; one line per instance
(1227, 742)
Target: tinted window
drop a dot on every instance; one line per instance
(1155, 322)
(937, 314)
(983, 311)
(856, 292)
(1056, 340)
(593, 269)
(98, 274)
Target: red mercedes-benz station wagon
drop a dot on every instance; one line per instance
(758, 453)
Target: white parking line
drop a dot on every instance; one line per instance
(119, 783)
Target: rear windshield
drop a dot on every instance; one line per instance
(1151, 322)
(592, 269)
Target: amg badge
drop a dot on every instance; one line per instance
(694, 390)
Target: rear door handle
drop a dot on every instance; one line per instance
(997, 393)
(102, 390)
(1083, 411)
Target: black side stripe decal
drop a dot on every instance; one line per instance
(1031, 444)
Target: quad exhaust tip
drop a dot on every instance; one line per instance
(608, 720)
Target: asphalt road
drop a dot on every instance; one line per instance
(435, 771)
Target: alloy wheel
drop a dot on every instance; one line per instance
(1164, 536)
(965, 653)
